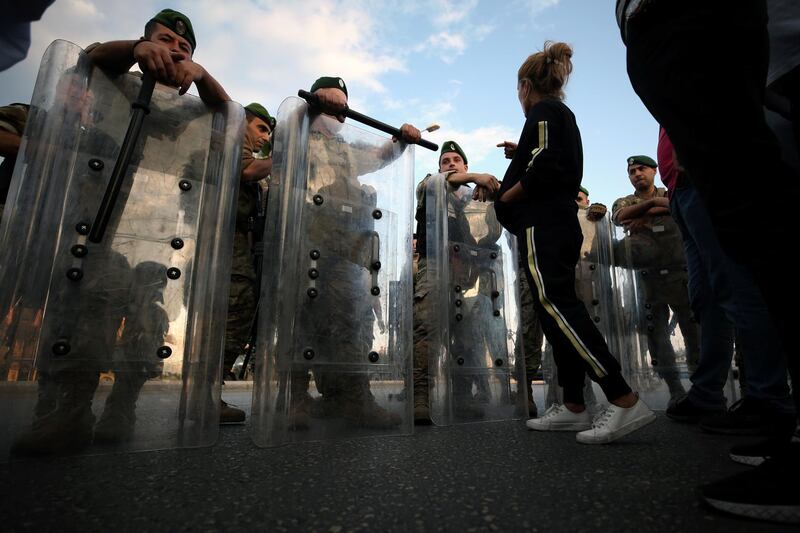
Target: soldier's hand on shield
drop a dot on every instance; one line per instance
(508, 148)
(186, 73)
(155, 60)
(596, 212)
(481, 194)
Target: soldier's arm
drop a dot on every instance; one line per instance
(118, 57)
(631, 212)
(256, 169)
(114, 56)
(485, 180)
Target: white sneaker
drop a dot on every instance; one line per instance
(559, 418)
(616, 422)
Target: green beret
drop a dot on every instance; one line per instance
(177, 22)
(261, 112)
(584, 191)
(329, 82)
(452, 146)
(642, 160)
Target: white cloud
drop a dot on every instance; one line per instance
(537, 6)
(452, 12)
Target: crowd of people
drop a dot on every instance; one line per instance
(711, 246)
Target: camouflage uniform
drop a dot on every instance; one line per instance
(243, 295)
(342, 316)
(655, 252)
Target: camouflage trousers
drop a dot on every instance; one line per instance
(242, 302)
(423, 320)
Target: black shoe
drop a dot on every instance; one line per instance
(756, 453)
(683, 409)
(750, 416)
(767, 492)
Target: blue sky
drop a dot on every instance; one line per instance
(449, 62)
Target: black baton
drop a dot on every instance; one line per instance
(313, 99)
(139, 109)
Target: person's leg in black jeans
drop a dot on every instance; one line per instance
(700, 68)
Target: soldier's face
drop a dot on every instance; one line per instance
(641, 176)
(582, 199)
(451, 161)
(177, 46)
(259, 132)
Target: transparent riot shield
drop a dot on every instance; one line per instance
(334, 337)
(115, 345)
(475, 358)
(660, 344)
(595, 285)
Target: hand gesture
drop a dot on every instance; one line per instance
(508, 148)
(596, 212)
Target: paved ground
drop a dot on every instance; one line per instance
(478, 477)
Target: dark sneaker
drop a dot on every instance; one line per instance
(370, 415)
(228, 414)
(749, 416)
(756, 453)
(767, 492)
(683, 409)
(115, 426)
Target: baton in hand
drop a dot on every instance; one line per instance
(313, 99)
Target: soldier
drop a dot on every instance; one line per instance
(453, 161)
(351, 310)
(63, 414)
(165, 52)
(655, 250)
(243, 296)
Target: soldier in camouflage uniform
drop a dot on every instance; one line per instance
(346, 329)
(452, 160)
(653, 247)
(243, 296)
(63, 417)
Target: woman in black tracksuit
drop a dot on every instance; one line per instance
(537, 203)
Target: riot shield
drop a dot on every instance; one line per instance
(475, 357)
(334, 337)
(661, 342)
(115, 345)
(595, 286)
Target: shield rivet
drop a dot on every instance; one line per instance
(82, 228)
(318, 199)
(377, 214)
(308, 353)
(375, 291)
(373, 357)
(164, 352)
(61, 348)
(176, 243)
(173, 273)
(79, 250)
(312, 292)
(96, 164)
(74, 274)
(314, 254)
(185, 185)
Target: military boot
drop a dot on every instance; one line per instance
(422, 410)
(228, 414)
(68, 426)
(119, 414)
(368, 414)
